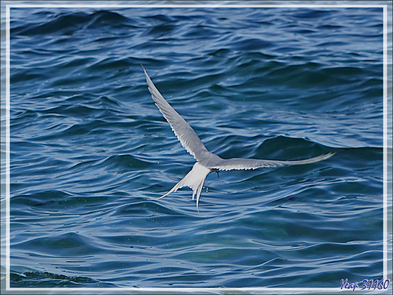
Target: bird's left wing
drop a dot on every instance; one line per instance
(186, 135)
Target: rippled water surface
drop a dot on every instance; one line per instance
(90, 151)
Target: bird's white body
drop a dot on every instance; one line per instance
(194, 180)
(207, 162)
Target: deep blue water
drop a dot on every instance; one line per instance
(90, 151)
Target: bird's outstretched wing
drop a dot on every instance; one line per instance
(246, 164)
(186, 135)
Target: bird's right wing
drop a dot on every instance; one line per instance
(246, 164)
(186, 135)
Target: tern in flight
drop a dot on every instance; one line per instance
(207, 162)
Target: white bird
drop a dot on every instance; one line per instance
(207, 162)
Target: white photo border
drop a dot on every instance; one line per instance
(5, 141)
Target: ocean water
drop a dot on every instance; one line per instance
(90, 152)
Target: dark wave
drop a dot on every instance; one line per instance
(36, 279)
(70, 23)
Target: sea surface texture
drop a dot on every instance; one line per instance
(90, 151)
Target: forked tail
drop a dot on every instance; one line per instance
(193, 179)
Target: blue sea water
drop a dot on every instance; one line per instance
(89, 150)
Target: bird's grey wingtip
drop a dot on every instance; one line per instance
(148, 80)
(160, 197)
(144, 69)
(331, 154)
